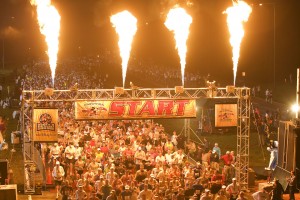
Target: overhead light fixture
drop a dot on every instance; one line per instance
(119, 90)
(49, 91)
(230, 88)
(179, 89)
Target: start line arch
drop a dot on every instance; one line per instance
(33, 97)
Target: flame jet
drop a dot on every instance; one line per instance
(236, 16)
(49, 22)
(178, 21)
(126, 26)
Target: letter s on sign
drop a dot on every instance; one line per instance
(116, 109)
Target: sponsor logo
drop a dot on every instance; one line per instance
(45, 123)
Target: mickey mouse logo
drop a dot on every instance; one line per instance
(45, 123)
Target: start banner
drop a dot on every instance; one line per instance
(45, 122)
(225, 115)
(135, 109)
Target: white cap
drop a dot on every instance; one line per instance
(233, 179)
(127, 187)
(57, 162)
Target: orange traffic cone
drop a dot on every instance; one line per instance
(49, 177)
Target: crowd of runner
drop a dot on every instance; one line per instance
(134, 159)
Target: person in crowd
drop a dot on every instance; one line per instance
(80, 194)
(227, 159)
(277, 191)
(66, 191)
(145, 194)
(106, 189)
(233, 189)
(58, 174)
(273, 149)
(69, 153)
(206, 195)
(242, 196)
(222, 194)
(112, 195)
(263, 194)
(217, 149)
(127, 193)
(214, 160)
(292, 185)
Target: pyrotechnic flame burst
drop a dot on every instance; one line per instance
(179, 21)
(49, 22)
(126, 26)
(236, 16)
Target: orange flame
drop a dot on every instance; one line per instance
(236, 15)
(49, 22)
(179, 22)
(126, 26)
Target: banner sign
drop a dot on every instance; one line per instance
(135, 109)
(45, 122)
(225, 115)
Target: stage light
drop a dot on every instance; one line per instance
(133, 87)
(211, 89)
(295, 108)
(179, 89)
(48, 91)
(230, 88)
(119, 90)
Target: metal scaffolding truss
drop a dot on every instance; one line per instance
(33, 98)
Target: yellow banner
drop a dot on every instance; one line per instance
(45, 122)
(135, 109)
(225, 115)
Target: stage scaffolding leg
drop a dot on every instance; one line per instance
(243, 132)
(28, 149)
(188, 131)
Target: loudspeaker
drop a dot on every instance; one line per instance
(3, 171)
(288, 140)
(288, 151)
(8, 192)
(297, 156)
(251, 177)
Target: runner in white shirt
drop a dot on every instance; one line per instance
(160, 158)
(69, 153)
(55, 153)
(58, 174)
(78, 151)
(169, 157)
(179, 156)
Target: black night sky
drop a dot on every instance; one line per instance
(85, 29)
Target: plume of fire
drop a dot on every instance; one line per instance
(49, 22)
(126, 26)
(179, 21)
(236, 16)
